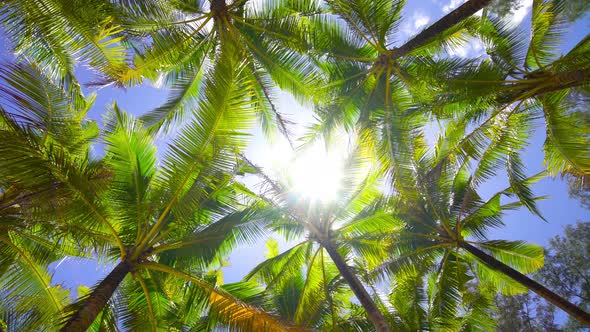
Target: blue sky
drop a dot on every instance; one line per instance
(559, 210)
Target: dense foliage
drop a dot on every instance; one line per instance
(406, 244)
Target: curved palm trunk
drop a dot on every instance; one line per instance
(459, 14)
(97, 300)
(541, 290)
(359, 290)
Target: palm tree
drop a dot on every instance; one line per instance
(447, 222)
(181, 44)
(289, 291)
(352, 226)
(369, 79)
(42, 128)
(285, 283)
(269, 39)
(29, 301)
(439, 27)
(59, 35)
(176, 44)
(413, 299)
(518, 79)
(163, 223)
(374, 85)
(160, 224)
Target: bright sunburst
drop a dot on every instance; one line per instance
(316, 174)
(313, 173)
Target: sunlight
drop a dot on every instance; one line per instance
(312, 173)
(316, 174)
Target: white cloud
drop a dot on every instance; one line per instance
(420, 20)
(473, 48)
(516, 18)
(414, 24)
(519, 14)
(452, 5)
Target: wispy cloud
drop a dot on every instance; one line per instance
(524, 7)
(414, 24)
(519, 14)
(472, 48)
(420, 20)
(456, 3)
(452, 5)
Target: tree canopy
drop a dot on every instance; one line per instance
(405, 243)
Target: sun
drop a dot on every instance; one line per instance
(316, 174)
(312, 172)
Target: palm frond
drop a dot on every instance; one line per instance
(227, 309)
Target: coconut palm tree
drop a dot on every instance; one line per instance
(176, 44)
(163, 222)
(369, 78)
(182, 42)
(352, 227)
(160, 225)
(29, 301)
(270, 38)
(371, 89)
(42, 128)
(284, 279)
(517, 78)
(288, 291)
(59, 35)
(413, 300)
(447, 221)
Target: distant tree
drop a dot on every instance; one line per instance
(566, 271)
(513, 313)
(567, 266)
(525, 313)
(579, 190)
(579, 184)
(572, 9)
(504, 7)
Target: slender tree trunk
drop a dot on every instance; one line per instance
(541, 290)
(359, 290)
(218, 6)
(446, 22)
(98, 299)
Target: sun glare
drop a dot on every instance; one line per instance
(316, 174)
(313, 173)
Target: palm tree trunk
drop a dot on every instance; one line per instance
(98, 299)
(218, 6)
(565, 305)
(462, 12)
(359, 290)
